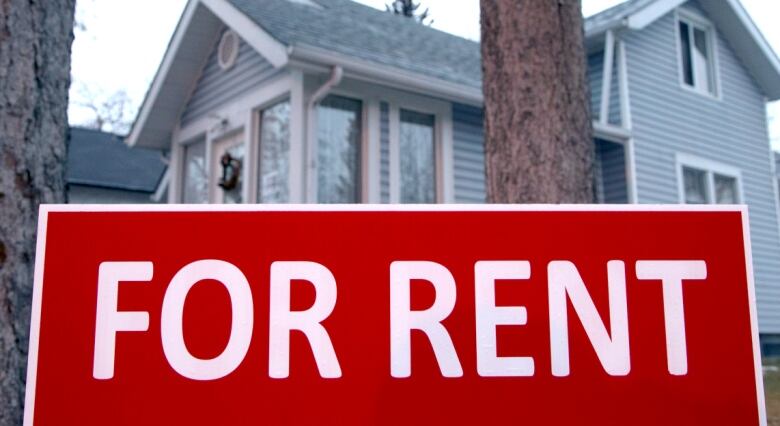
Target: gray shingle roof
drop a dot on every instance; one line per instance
(101, 159)
(362, 32)
(614, 14)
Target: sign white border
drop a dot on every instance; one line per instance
(45, 209)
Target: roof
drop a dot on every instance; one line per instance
(392, 50)
(610, 17)
(366, 33)
(97, 158)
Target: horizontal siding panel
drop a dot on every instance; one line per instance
(216, 86)
(595, 62)
(468, 154)
(384, 152)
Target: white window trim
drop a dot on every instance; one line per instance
(367, 131)
(695, 19)
(443, 149)
(372, 95)
(252, 174)
(710, 168)
(177, 167)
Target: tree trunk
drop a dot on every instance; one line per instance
(538, 135)
(35, 41)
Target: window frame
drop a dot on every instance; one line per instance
(371, 96)
(363, 146)
(710, 169)
(253, 153)
(696, 20)
(443, 142)
(182, 178)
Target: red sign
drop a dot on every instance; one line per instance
(372, 315)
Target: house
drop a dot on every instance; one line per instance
(101, 169)
(329, 101)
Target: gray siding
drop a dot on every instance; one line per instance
(610, 173)
(595, 74)
(216, 86)
(469, 153)
(668, 119)
(384, 152)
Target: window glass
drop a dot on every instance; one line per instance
(726, 190)
(338, 150)
(418, 167)
(685, 50)
(274, 161)
(195, 185)
(701, 61)
(695, 182)
(696, 58)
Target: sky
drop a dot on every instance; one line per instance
(119, 44)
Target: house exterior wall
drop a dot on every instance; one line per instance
(384, 152)
(595, 62)
(217, 87)
(469, 154)
(668, 119)
(610, 165)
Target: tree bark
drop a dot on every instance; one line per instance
(35, 41)
(538, 135)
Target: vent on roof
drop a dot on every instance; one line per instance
(227, 52)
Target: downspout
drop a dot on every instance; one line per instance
(336, 73)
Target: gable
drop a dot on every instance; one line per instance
(216, 86)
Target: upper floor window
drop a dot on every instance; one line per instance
(697, 56)
(705, 182)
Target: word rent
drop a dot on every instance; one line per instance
(565, 285)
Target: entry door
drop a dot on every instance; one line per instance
(234, 146)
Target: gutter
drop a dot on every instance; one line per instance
(388, 75)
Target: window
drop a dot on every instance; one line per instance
(339, 127)
(697, 61)
(274, 152)
(195, 182)
(705, 182)
(417, 157)
(696, 191)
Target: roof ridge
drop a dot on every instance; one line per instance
(403, 19)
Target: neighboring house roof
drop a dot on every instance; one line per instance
(393, 50)
(101, 159)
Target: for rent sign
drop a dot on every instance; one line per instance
(422, 315)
